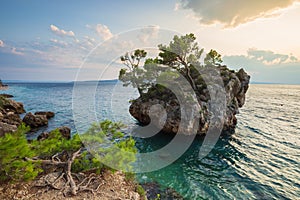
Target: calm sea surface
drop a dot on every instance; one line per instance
(261, 160)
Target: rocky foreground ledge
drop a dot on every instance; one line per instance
(236, 84)
(113, 186)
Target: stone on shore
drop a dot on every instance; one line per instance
(35, 121)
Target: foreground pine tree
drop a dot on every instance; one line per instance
(21, 160)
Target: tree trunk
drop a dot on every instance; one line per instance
(191, 80)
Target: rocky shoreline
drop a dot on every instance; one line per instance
(10, 119)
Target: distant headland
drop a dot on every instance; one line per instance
(3, 86)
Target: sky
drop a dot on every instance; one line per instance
(52, 40)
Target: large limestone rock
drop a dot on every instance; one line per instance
(35, 121)
(168, 115)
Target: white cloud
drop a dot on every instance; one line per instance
(269, 57)
(61, 32)
(232, 13)
(148, 33)
(16, 52)
(1, 43)
(266, 66)
(59, 42)
(103, 31)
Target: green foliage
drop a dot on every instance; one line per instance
(133, 60)
(87, 162)
(129, 176)
(139, 77)
(132, 74)
(13, 149)
(157, 197)
(107, 144)
(165, 76)
(182, 54)
(213, 58)
(55, 143)
(21, 160)
(140, 190)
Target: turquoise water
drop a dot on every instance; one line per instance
(259, 161)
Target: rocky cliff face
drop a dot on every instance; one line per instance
(165, 109)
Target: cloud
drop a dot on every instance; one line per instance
(7, 49)
(103, 31)
(232, 13)
(148, 33)
(61, 32)
(59, 42)
(267, 66)
(16, 52)
(269, 57)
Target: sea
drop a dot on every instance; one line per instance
(260, 160)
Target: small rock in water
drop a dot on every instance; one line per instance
(48, 114)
